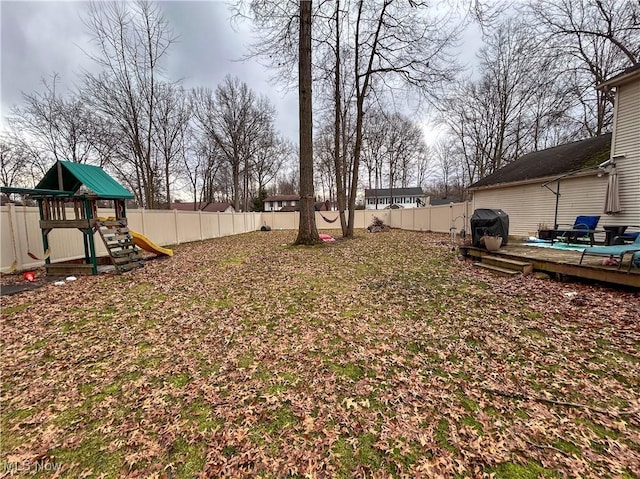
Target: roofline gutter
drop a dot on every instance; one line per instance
(618, 80)
(35, 192)
(544, 179)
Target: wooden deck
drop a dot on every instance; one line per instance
(559, 263)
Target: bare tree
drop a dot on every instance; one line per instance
(132, 40)
(395, 43)
(274, 153)
(373, 146)
(307, 230)
(240, 124)
(14, 170)
(510, 109)
(448, 181)
(287, 182)
(595, 40)
(50, 127)
(324, 148)
(170, 123)
(393, 148)
(388, 45)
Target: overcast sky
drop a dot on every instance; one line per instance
(40, 38)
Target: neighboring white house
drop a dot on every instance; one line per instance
(527, 188)
(277, 202)
(381, 198)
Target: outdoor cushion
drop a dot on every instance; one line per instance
(617, 250)
(628, 236)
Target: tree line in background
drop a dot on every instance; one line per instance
(154, 135)
(534, 86)
(377, 68)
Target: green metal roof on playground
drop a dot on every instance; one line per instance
(76, 175)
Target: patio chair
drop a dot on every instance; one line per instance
(583, 227)
(635, 260)
(617, 251)
(629, 236)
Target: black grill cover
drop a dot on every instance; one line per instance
(489, 222)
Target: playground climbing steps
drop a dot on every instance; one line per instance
(120, 244)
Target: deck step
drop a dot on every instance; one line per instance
(520, 266)
(497, 269)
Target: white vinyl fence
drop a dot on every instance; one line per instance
(21, 235)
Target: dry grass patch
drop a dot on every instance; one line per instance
(384, 356)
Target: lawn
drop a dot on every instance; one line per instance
(383, 356)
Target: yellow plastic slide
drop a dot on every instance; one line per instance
(145, 243)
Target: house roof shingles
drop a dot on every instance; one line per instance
(551, 162)
(282, 198)
(210, 207)
(289, 208)
(623, 77)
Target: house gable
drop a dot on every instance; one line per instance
(209, 207)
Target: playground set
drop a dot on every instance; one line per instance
(78, 187)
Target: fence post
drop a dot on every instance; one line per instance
(144, 232)
(450, 216)
(15, 235)
(175, 224)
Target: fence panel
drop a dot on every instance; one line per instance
(20, 230)
(10, 251)
(160, 226)
(226, 223)
(422, 219)
(441, 218)
(210, 225)
(188, 226)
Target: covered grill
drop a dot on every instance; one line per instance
(489, 222)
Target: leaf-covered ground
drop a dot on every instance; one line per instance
(384, 356)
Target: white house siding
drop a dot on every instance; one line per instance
(383, 202)
(277, 205)
(626, 141)
(530, 205)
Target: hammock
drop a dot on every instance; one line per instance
(328, 220)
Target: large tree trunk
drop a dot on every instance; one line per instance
(307, 231)
(236, 184)
(339, 160)
(356, 166)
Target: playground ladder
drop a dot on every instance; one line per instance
(120, 244)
